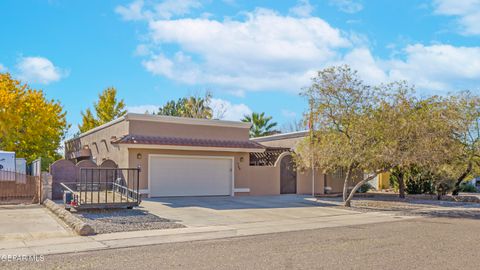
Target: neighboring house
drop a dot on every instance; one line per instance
(476, 183)
(381, 181)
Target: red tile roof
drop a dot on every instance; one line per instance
(158, 140)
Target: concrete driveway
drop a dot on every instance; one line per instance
(226, 211)
(29, 222)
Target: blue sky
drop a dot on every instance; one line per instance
(252, 55)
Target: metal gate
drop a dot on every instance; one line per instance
(288, 176)
(19, 188)
(98, 188)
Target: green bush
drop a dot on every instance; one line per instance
(364, 188)
(468, 187)
(419, 186)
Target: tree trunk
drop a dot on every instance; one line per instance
(401, 185)
(462, 177)
(345, 183)
(347, 202)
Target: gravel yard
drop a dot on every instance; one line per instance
(409, 207)
(122, 220)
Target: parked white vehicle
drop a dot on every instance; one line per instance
(7, 161)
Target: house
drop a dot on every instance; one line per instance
(197, 157)
(475, 182)
(381, 181)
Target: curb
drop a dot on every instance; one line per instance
(80, 227)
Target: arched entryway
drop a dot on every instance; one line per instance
(288, 176)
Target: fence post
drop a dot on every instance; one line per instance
(45, 186)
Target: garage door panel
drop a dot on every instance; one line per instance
(190, 176)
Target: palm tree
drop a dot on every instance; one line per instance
(261, 125)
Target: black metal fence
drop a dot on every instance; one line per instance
(105, 188)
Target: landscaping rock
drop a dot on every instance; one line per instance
(80, 227)
(121, 220)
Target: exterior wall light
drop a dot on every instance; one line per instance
(139, 156)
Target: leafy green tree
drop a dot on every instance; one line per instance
(173, 108)
(191, 107)
(30, 124)
(261, 125)
(370, 130)
(107, 109)
(463, 112)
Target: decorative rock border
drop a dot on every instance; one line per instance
(459, 198)
(80, 227)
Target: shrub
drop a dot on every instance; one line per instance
(468, 187)
(443, 186)
(419, 186)
(364, 188)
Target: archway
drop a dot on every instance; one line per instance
(288, 176)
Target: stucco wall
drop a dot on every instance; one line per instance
(264, 180)
(304, 182)
(187, 130)
(335, 181)
(100, 146)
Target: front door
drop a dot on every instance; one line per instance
(288, 176)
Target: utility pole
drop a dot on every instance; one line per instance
(310, 125)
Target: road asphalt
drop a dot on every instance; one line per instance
(422, 243)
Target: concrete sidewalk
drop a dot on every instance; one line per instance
(141, 238)
(29, 222)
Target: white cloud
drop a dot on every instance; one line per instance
(2, 68)
(142, 50)
(143, 108)
(268, 51)
(167, 9)
(438, 67)
(347, 6)
(132, 12)
(467, 12)
(225, 110)
(38, 70)
(302, 9)
(369, 68)
(159, 65)
(265, 51)
(435, 68)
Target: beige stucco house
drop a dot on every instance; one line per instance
(196, 157)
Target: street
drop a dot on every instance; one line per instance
(423, 243)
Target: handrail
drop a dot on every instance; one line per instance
(67, 188)
(124, 187)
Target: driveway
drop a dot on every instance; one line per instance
(29, 222)
(227, 211)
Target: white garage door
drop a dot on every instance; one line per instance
(189, 176)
